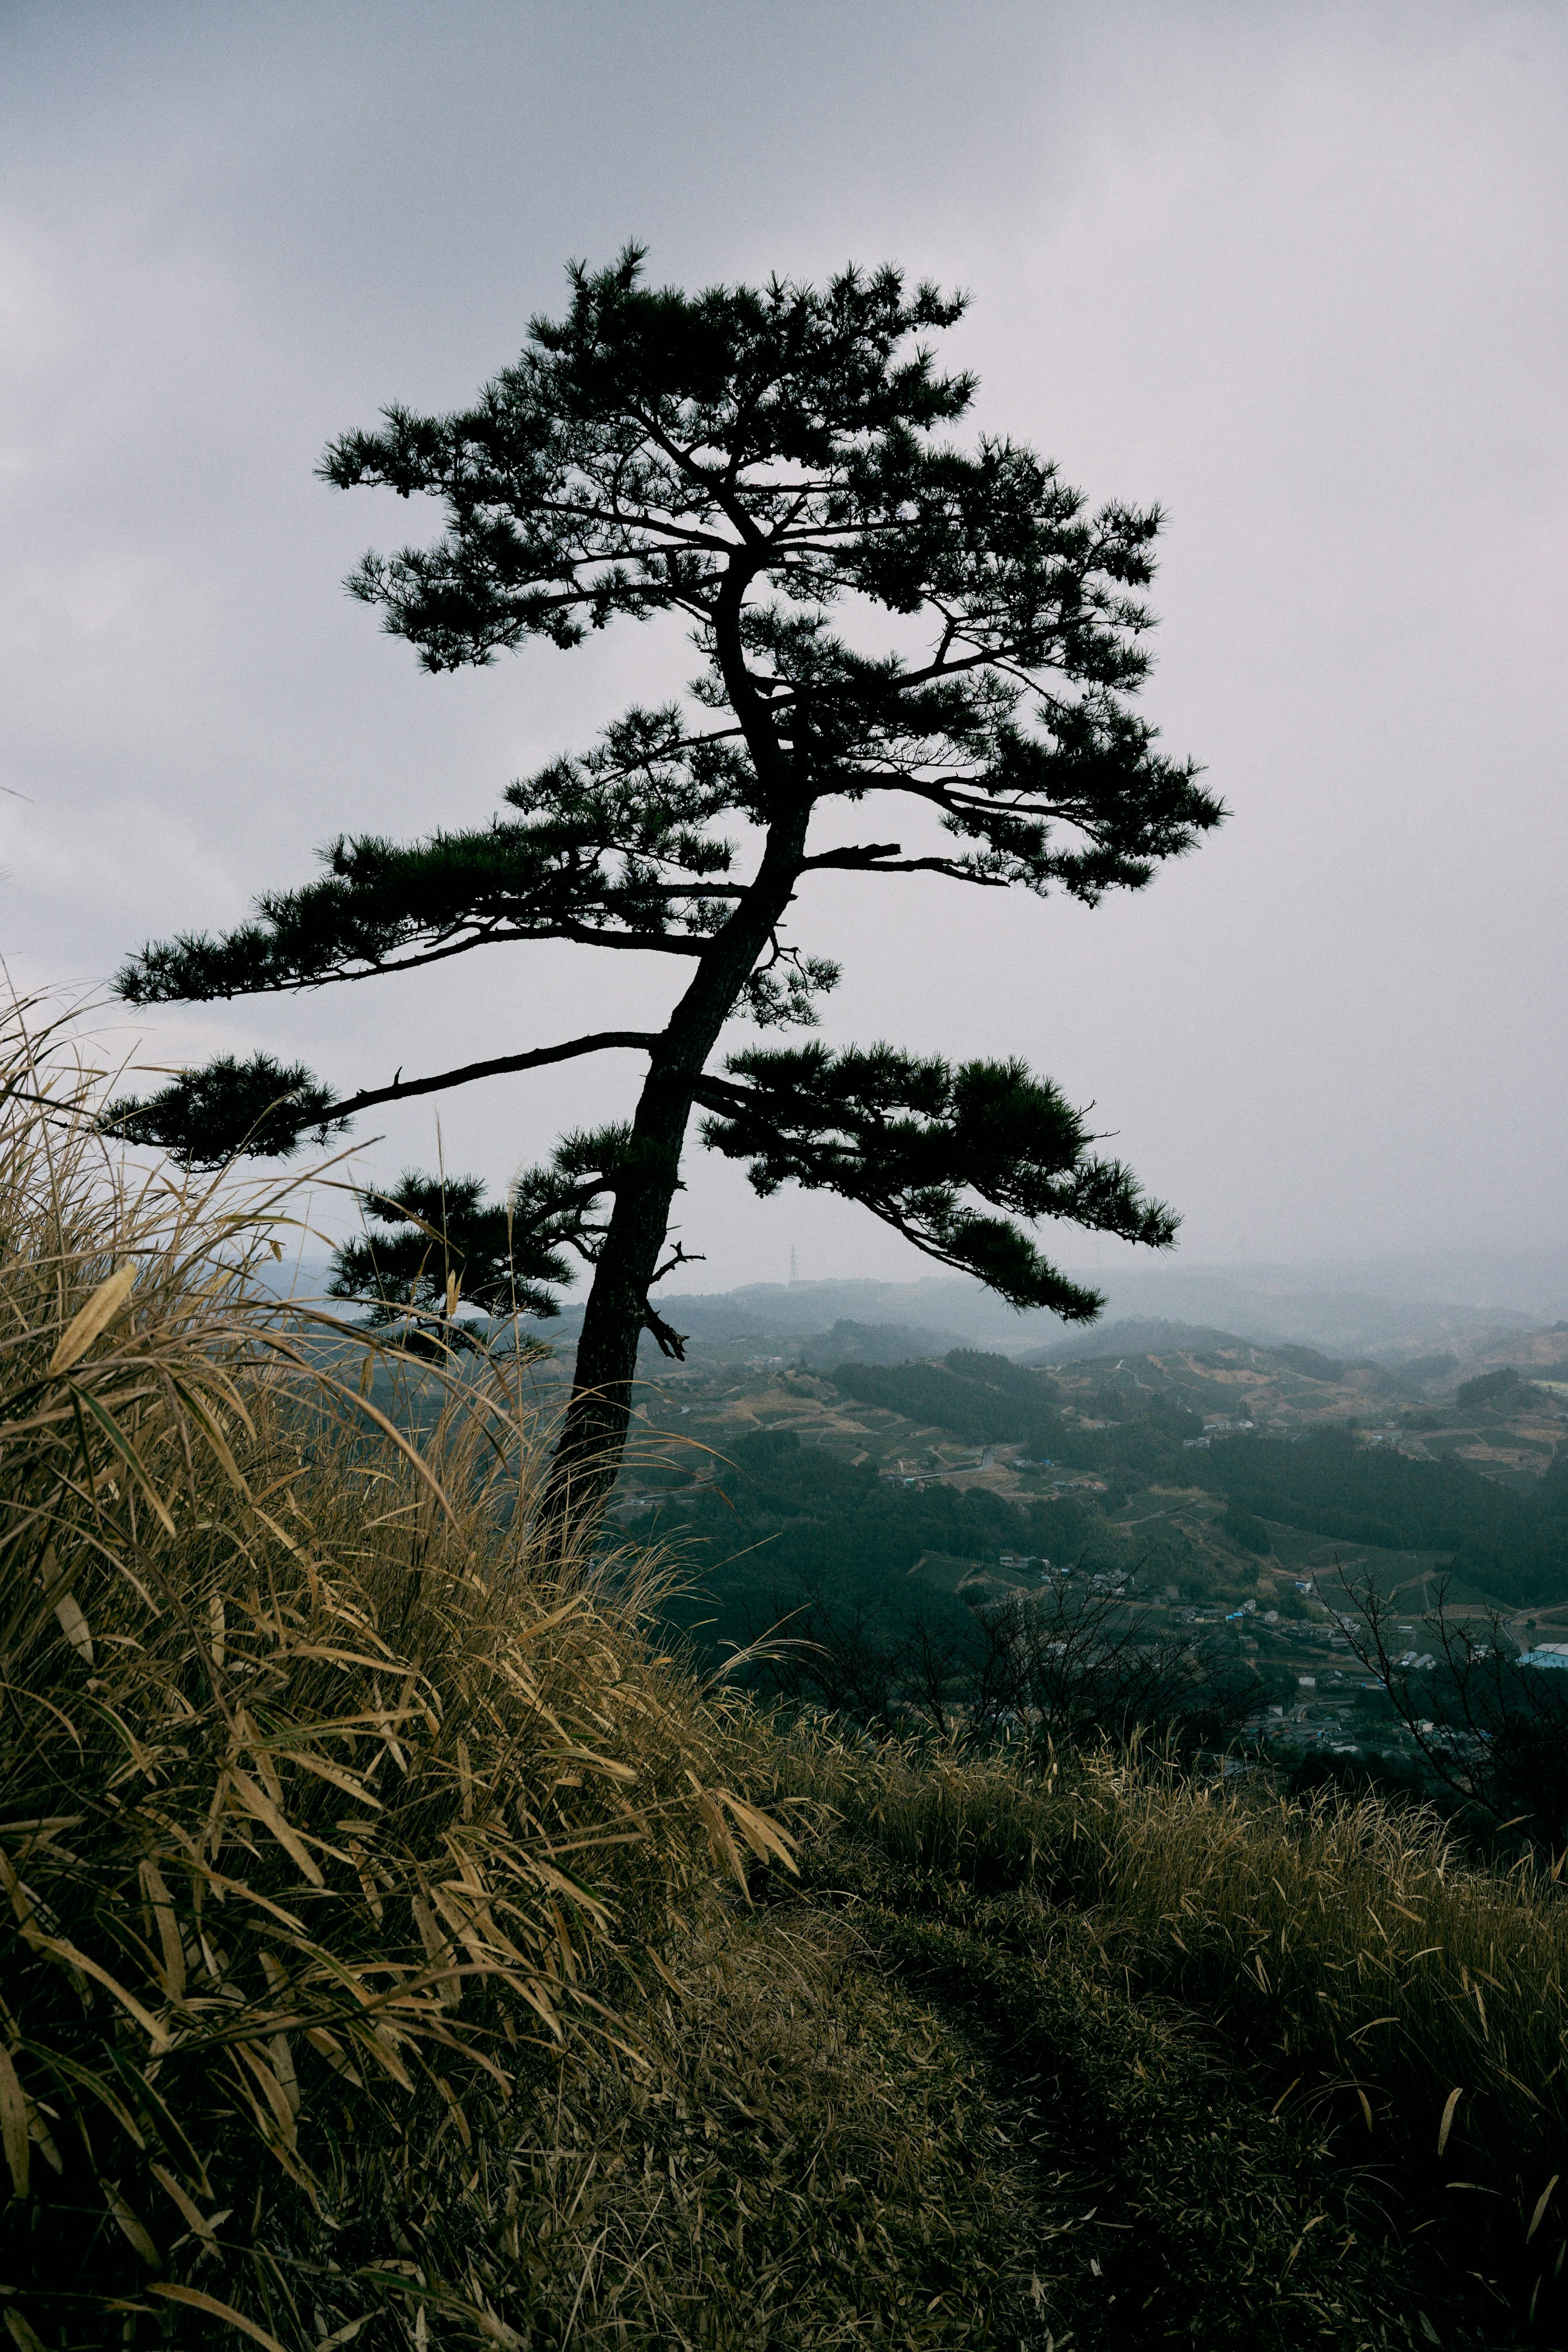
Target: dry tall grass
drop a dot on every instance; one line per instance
(330, 1812)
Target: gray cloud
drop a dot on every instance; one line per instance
(1293, 271)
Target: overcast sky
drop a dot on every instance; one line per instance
(1296, 272)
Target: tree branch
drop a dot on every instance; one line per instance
(602, 1040)
(882, 857)
(857, 860)
(579, 934)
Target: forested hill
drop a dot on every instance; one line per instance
(1511, 1546)
(1509, 1540)
(992, 1401)
(1209, 1458)
(782, 1521)
(983, 1397)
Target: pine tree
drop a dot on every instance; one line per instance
(435, 1245)
(765, 462)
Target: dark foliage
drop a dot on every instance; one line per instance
(441, 1246)
(992, 1400)
(1498, 1387)
(1072, 1666)
(1492, 1732)
(775, 1520)
(866, 1343)
(1245, 1527)
(226, 1110)
(893, 1612)
(908, 1138)
(1063, 1666)
(1393, 1779)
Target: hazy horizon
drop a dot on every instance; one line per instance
(1347, 1305)
(1294, 274)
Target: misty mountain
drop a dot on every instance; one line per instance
(1139, 1335)
(1392, 1308)
(1306, 1305)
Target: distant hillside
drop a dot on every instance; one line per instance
(961, 1455)
(873, 1343)
(980, 1397)
(910, 1318)
(1143, 1334)
(946, 1309)
(1512, 1545)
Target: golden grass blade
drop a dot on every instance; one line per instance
(394, 1435)
(724, 1850)
(1447, 2125)
(163, 1907)
(194, 2300)
(256, 1801)
(99, 1312)
(130, 2223)
(74, 1626)
(1542, 2202)
(272, 2090)
(610, 1766)
(332, 2051)
(767, 1840)
(202, 1413)
(282, 2067)
(190, 2211)
(14, 2124)
(86, 1404)
(57, 1948)
(353, 1784)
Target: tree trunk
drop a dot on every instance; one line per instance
(588, 1453)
